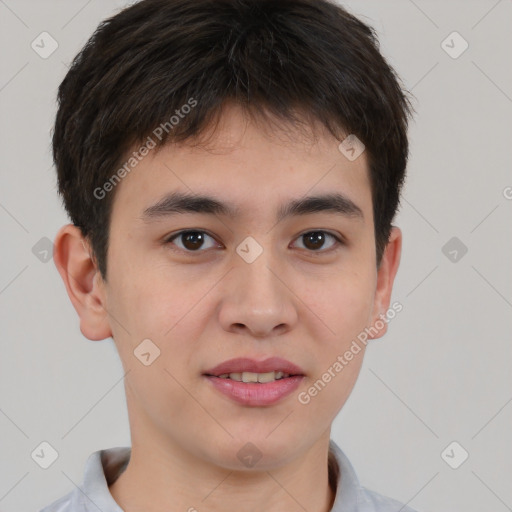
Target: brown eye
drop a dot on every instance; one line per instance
(315, 240)
(191, 241)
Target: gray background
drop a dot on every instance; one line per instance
(441, 374)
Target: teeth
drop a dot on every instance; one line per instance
(265, 377)
(250, 377)
(255, 377)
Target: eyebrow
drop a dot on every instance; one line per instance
(179, 202)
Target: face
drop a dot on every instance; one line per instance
(256, 273)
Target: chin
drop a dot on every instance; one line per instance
(256, 451)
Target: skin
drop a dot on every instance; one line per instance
(202, 309)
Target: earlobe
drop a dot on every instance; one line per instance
(74, 262)
(385, 279)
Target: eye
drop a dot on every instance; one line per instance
(315, 240)
(191, 241)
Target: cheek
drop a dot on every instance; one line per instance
(344, 303)
(151, 300)
(326, 392)
(169, 312)
(156, 394)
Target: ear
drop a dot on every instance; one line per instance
(385, 279)
(86, 289)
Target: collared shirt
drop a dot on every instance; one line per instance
(104, 467)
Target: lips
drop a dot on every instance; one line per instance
(255, 383)
(242, 364)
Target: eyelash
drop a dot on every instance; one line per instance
(338, 241)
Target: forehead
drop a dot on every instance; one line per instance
(248, 164)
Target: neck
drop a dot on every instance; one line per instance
(163, 477)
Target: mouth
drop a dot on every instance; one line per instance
(260, 378)
(256, 383)
(243, 369)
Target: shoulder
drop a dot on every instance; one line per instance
(102, 467)
(351, 496)
(67, 503)
(375, 502)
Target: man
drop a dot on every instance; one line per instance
(231, 170)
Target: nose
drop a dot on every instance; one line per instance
(257, 300)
